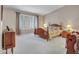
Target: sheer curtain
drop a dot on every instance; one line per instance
(27, 23)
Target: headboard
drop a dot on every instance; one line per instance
(54, 30)
(55, 26)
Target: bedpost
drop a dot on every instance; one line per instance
(48, 32)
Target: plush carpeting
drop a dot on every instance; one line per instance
(31, 44)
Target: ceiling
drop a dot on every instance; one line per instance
(37, 9)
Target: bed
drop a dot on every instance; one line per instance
(53, 30)
(41, 33)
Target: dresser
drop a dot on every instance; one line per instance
(8, 40)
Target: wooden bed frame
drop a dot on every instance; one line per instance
(41, 33)
(54, 30)
(45, 34)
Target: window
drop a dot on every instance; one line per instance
(27, 22)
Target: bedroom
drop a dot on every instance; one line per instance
(40, 16)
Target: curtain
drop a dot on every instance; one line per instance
(17, 23)
(27, 23)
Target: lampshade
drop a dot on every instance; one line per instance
(69, 28)
(45, 25)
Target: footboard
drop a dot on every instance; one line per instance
(41, 33)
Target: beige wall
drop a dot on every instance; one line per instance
(65, 15)
(9, 18)
(0, 12)
(41, 21)
(0, 32)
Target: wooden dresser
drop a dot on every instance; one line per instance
(8, 40)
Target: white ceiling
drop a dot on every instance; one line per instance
(37, 9)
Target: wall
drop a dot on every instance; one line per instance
(0, 12)
(9, 18)
(41, 21)
(65, 15)
(0, 31)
